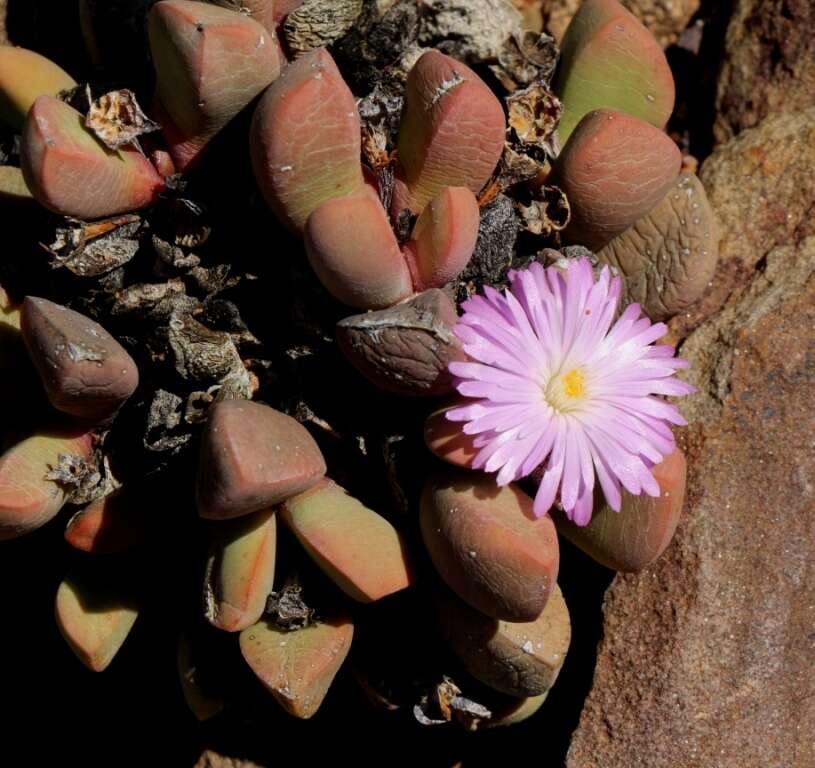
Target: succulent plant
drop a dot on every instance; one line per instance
(69, 171)
(85, 371)
(253, 457)
(486, 544)
(181, 333)
(316, 183)
(24, 76)
(110, 524)
(609, 60)
(95, 614)
(210, 63)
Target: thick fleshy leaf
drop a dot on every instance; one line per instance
(517, 658)
(114, 523)
(446, 439)
(443, 238)
(352, 248)
(614, 169)
(253, 457)
(358, 549)
(13, 188)
(305, 139)
(28, 499)
(488, 546)
(70, 172)
(634, 537)
(202, 703)
(451, 132)
(240, 570)
(95, 613)
(211, 62)
(298, 667)
(407, 347)
(669, 256)
(18, 379)
(518, 711)
(609, 60)
(25, 75)
(84, 370)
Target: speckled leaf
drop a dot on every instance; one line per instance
(517, 658)
(669, 256)
(253, 457)
(13, 188)
(84, 370)
(95, 613)
(446, 439)
(488, 546)
(114, 523)
(443, 238)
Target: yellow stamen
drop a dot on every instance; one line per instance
(573, 384)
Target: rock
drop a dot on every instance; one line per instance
(664, 18)
(768, 63)
(210, 759)
(760, 188)
(405, 348)
(359, 550)
(470, 30)
(298, 667)
(486, 544)
(669, 256)
(707, 655)
(253, 457)
(85, 371)
(516, 658)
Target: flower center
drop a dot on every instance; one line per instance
(565, 392)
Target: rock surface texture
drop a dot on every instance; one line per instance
(708, 654)
(768, 64)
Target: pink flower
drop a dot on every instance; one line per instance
(557, 387)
